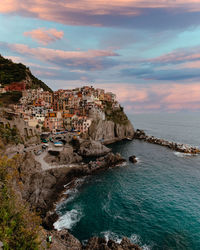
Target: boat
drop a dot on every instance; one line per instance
(58, 144)
(129, 139)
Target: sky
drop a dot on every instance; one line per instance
(145, 51)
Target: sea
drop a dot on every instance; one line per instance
(155, 202)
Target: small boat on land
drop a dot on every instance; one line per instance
(58, 144)
(129, 139)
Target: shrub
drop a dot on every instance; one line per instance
(18, 225)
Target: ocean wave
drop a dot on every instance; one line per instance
(146, 247)
(134, 238)
(71, 193)
(179, 154)
(106, 204)
(111, 236)
(138, 160)
(69, 219)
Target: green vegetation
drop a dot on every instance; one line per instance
(15, 72)
(38, 83)
(116, 115)
(11, 72)
(19, 226)
(11, 97)
(10, 135)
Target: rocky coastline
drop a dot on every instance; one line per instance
(43, 188)
(46, 173)
(141, 135)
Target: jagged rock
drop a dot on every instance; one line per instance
(126, 244)
(66, 156)
(140, 134)
(108, 131)
(133, 159)
(92, 148)
(97, 243)
(63, 240)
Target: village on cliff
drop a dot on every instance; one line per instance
(62, 110)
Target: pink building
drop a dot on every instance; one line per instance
(54, 121)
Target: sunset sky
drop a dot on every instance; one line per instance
(147, 52)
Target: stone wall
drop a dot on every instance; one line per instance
(12, 120)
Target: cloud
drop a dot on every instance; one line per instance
(109, 13)
(177, 56)
(165, 75)
(45, 36)
(161, 97)
(87, 60)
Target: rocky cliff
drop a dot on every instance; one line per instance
(109, 131)
(114, 126)
(42, 188)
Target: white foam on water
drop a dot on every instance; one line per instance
(68, 220)
(71, 193)
(179, 154)
(145, 247)
(138, 160)
(135, 238)
(106, 205)
(111, 236)
(123, 164)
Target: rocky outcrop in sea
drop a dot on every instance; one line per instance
(186, 149)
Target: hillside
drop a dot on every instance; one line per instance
(17, 72)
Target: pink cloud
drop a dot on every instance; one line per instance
(178, 56)
(45, 36)
(159, 97)
(89, 60)
(71, 12)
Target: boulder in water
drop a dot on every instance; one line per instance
(133, 159)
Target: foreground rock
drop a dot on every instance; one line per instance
(63, 240)
(65, 156)
(43, 188)
(96, 243)
(140, 135)
(92, 148)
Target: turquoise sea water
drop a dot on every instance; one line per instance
(156, 203)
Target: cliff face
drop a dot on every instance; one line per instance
(109, 131)
(113, 125)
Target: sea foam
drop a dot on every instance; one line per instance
(179, 154)
(68, 220)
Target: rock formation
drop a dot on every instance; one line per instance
(133, 159)
(108, 131)
(43, 188)
(63, 240)
(92, 148)
(140, 135)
